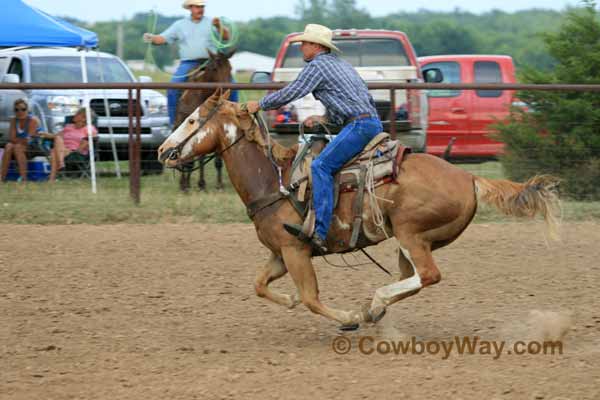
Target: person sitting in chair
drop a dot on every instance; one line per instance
(73, 138)
(23, 127)
(345, 95)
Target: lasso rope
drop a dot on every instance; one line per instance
(377, 214)
(216, 36)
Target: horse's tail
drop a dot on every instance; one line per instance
(536, 196)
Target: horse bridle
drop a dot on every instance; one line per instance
(174, 152)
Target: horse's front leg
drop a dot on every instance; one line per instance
(298, 262)
(271, 271)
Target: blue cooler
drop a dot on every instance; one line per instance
(38, 169)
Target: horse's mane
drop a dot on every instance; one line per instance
(254, 134)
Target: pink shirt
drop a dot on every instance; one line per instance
(72, 136)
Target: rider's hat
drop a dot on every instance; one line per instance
(188, 3)
(319, 34)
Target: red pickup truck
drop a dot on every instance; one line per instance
(459, 120)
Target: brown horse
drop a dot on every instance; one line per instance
(428, 206)
(217, 69)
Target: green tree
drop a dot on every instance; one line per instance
(517, 34)
(344, 14)
(561, 132)
(443, 37)
(313, 12)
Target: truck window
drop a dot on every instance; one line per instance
(68, 69)
(375, 52)
(451, 72)
(488, 72)
(16, 67)
(383, 53)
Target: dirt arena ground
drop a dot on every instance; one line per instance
(169, 312)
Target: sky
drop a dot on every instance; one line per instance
(244, 10)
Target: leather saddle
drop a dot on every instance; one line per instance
(378, 163)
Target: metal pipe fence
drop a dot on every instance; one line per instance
(135, 115)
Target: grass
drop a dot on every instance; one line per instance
(70, 201)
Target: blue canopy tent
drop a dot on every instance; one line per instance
(23, 25)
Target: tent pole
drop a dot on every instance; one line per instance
(88, 116)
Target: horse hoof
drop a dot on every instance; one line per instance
(349, 328)
(375, 317)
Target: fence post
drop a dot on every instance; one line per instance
(392, 116)
(134, 178)
(137, 144)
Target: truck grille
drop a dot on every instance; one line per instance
(123, 130)
(118, 107)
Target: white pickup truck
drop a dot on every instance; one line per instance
(378, 56)
(63, 65)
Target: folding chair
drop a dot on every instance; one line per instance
(77, 165)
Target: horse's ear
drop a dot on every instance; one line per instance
(216, 95)
(225, 95)
(211, 54)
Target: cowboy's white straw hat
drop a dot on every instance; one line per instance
(319, 34)
(188, 3)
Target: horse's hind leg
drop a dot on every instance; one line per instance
(418, 270)
(300, 267)
(219, 167)
(271, 271)
(201, 181)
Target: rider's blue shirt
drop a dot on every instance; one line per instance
(334, 82)
(192, 38)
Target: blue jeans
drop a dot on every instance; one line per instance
(348, 143)
(180, 75)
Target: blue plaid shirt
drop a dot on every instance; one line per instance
(334, 82)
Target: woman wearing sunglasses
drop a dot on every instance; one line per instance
(23, 127)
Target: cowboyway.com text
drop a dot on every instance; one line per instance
(465, 345)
